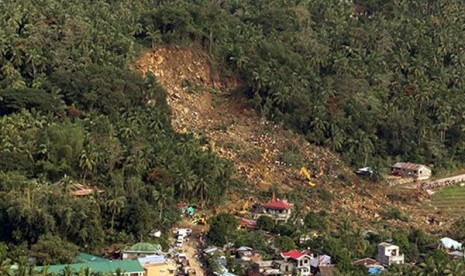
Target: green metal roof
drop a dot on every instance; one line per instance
(144, 247)
(127, 266)
(87, 258)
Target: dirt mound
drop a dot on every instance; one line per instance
(263, 153)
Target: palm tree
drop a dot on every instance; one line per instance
(336, 138)
(87, 162)
(115, 205)
(67, 271)
(162, 196)
(85, 272)
(5, 263)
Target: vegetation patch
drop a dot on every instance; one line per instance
(450, 199)
(292, 156)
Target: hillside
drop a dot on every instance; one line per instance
(93, 154)
(211, 108)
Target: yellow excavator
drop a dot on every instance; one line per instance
(199, 219)
(307, 175)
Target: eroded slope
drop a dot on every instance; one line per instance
(261, 150)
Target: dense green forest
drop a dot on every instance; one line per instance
(73, 113)
(376, 81)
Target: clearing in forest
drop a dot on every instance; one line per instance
(450, 199)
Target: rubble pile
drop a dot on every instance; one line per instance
(207, 107)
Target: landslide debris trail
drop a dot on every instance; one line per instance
(208, 107)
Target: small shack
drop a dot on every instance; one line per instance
(416, 171)
(389, 254)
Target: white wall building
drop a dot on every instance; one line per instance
(389, 254)
(417, 171)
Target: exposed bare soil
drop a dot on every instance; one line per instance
(208, 107)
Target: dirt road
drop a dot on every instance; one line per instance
(190, 247)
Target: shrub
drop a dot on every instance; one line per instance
(223, 228)
(265, 223)
(284, 243)
(292, 157)
(324, 195)
(394, 213)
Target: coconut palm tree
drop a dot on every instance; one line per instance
(115, 204)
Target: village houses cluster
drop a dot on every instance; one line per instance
(145, 259)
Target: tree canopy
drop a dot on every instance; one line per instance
(373, 80)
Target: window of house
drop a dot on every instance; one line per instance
(394, 252)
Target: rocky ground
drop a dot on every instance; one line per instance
(261, 150)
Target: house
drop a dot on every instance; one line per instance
(326, 270)
(279, 210)
(299, 260)
(373, 266)
(247, 223)
(318, 263)
(163, 269)
(152, 259)
(127, 267)
(157, 265)
(264, 268)
(389, 254)
(246, 254)
(141, 249)
(304, 263)
(81, 190)
(416, 171)
(434, 246)
(451, 244)
(367, 262)
(284, 267)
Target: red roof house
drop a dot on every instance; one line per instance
(300, 260)
(248, 223)
(279, 210)
(293, 254)
(366, 262)
(278, 205)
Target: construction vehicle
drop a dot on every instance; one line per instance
(308, 176)
(199, 219)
